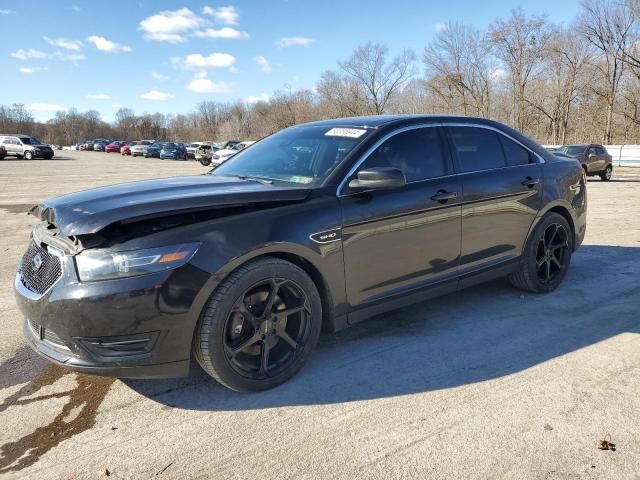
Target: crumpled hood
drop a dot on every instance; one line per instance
(89, 211)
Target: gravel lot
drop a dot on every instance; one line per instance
(486, 383)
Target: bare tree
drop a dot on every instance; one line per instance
(607, 25)
(520, 43)
(378, 79)
(460, 69)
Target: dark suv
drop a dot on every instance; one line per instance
(594, 159)
(316, 227)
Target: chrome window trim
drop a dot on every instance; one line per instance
(406, 128)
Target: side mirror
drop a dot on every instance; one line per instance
(378, 179)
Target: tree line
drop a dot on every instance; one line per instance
(569, 83)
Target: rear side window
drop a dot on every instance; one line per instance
(514, 153)
(417, 152)
(601, 151)
(477, 148)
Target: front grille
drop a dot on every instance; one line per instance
(39, 269)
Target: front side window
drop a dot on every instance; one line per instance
(29, 141)
(515, 154)
(300, 155)
(418, 153)
(477, 148)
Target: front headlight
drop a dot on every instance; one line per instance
(94, 266)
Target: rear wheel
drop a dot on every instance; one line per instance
(205, 161)
(260, 326)
(606, 175)
(546, 257)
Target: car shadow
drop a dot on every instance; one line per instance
(54, 159)
(475, 335)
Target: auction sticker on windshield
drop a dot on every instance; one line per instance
(346, 132)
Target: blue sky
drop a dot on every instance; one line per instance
(168, 55)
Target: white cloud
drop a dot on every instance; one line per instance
(225, 15)
(7, 12)
(69, 57)
(74, 45)
(45, 107)
(75, 8)
(498, 74)
(170, 25)
(159, 76)
(263, 63)
(224, 32)
(440, 27)
(105, 45)
(263, 97)
(215, 60)
(201, 84)
(98, 96)
(30, 70)
(28, 54)
(116, 105)
(156, 95)
(294, 41)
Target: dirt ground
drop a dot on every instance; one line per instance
(485, 383)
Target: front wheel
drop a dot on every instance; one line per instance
(606, 175)
(260, 326)
(28, 155)
(206, 162)
(546, 256)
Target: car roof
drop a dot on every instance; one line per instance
(376, 121)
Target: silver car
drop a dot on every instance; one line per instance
(138, 149)
(24, 146)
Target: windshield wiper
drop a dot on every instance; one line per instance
(263, 181)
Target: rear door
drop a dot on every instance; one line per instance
(502, 193)
(405, 238)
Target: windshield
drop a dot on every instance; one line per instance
(572, 150)
(30, 141)
(194, 145)
(300, 155)
(169, 145)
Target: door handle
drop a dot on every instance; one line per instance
(442, 196)
(530, 182)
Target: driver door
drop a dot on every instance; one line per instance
(404, 238)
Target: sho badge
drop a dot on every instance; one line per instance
(327, 236)
(36, 262)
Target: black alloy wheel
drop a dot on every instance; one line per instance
(606, 176)
(266, 327)
(546, 256)
(260, 325)
(552, 253)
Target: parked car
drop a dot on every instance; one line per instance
(594, 158)
(174, 151)
(222, 155)
(227, 145)
(3, 152)
(113, 147)
(193, 147)
(204, 154)
(153, 150)
(100, 145)
(138, 148)
(317, 226)
(24, 146)
(125, 148)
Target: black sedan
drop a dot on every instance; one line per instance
(318, 226)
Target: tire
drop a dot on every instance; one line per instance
(28, 155)
(205, 162)
(233, 334)
(606, 175)
(546, 256)
(48, 157)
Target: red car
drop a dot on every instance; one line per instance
(125, 148)
(113, 147)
